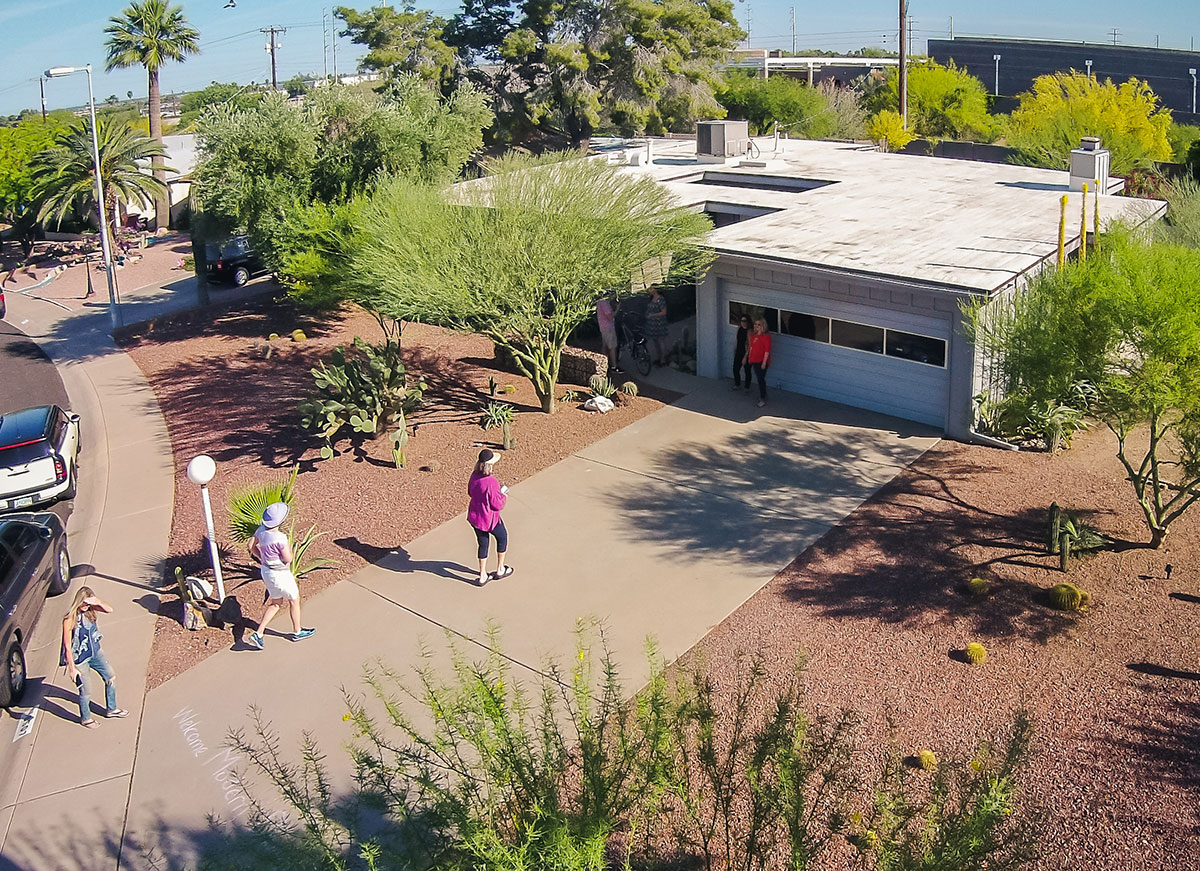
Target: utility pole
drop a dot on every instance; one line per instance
(325, 42)
(1115, 33)
(749, 22)
(271, 46)
(793, 31)
(42, 87)
(904, 62)
(333, 35)
(952, 27)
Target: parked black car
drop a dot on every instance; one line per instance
(233, 261)
(33, 564)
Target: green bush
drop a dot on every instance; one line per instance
(367, 391)
(802, 112)
(1068, 597)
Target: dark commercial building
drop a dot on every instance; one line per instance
(1170, 72)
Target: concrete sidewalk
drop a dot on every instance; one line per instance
(660, 530)
(117, 534)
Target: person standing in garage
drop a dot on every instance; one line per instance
(758, 356)
(740, 366)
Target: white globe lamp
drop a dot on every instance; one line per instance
(201, 470)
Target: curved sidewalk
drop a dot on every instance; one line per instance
(117, 535)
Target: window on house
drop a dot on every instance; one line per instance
(858, 336)
(804, 326)
(919, 349)
(754, 312)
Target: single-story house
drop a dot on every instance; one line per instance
(860, 261)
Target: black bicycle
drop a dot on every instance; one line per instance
(633, 337)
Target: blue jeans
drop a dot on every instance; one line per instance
(99, 664)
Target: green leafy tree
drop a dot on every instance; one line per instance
(521, 256)
(150, 33)
(1126, 322)
(404, 41)
(1062, 108)
(628, 65)
(19, 145)
(192, 105)
(1182, 137)
(64, 177)
(944, 102)
(799, 110)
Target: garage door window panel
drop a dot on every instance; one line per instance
(860, 337)
(754, 312)
(919, 349)
(804, 326)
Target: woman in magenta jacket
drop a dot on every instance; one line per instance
(487, 501)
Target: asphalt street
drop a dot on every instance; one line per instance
(27, 377)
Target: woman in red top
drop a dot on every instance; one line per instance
(758, 356)
(487, 501)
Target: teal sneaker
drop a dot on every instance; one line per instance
(255, 640)
(302, 634)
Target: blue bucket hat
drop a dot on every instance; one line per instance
(275, 514)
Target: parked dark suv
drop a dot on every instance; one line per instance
(233, 261)
(33, 564)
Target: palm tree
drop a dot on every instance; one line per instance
(64, 178)
(149, 33)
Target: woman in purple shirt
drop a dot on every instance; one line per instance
(487, 501)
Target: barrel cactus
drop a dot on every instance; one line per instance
(629, 388)
(1068, 597)
(926, 760)
(298, 336)
(978, 587)
(975, 653)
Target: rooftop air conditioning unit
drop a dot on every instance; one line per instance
(717, 141)
(1089, 163)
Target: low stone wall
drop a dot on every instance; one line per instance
(577, 366)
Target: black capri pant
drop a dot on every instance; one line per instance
(501, 535)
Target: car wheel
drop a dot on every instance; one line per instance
(62, 572)
(240, 276)
(12, 681)
(72, 485)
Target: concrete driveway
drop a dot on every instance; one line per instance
(660, 530)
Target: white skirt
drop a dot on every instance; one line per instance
(281, 583)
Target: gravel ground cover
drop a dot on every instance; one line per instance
(877, 607)
(221, 395)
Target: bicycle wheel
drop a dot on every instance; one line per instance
(641, 357)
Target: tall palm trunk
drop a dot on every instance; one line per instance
(162, 204)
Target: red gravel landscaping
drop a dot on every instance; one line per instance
(877, 606)
(222, 396)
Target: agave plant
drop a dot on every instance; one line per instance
(246, 507)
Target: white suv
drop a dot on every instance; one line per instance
(38, 450)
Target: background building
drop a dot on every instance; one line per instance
(1022, 60)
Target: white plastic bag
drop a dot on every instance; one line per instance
(598, 403)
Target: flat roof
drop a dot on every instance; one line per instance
(957, 225)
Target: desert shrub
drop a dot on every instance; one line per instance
(247, 504)
(601, 386)
(569, 775)
(496, 415)
(571, 396)
(969, 817)
(1182, 223)
(977, 587)
(975, 653)
(1051, 421)
(927, 760)
(1068, 597)
(367, 390)
(888, 127)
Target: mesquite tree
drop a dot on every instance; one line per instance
(1127, 323)
(520, 255)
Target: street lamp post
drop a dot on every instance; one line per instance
(114, 306)
(1089, 68)
(1192, 73)
(200, 471)
(996, 58)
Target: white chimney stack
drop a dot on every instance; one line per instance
(1090, 162)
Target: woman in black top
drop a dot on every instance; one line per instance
(740, 366)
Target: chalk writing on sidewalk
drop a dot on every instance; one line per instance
(221, 764)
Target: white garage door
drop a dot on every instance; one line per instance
(887, 361)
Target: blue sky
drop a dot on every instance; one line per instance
(43, 33)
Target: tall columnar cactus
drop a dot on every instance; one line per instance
(1062, 231)
(1083, 223)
